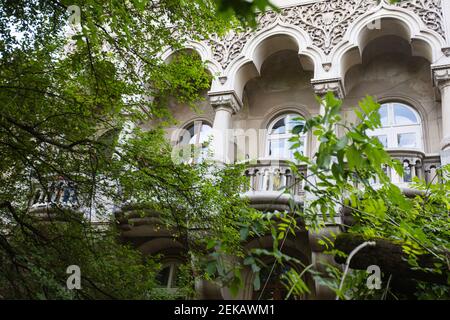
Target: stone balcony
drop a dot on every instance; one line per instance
(415, 164)
(273, 184)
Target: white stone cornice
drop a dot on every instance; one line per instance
(335, 85)
(441, 76)
(225, 100)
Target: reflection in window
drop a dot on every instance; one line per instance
(197, 136)
(404, 115)
(401, 127)
(383, 115)
(407, 140)
(279, 133)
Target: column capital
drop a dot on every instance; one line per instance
(441, 76)
(323, 86)
(227, 100)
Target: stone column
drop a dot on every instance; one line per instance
(321, 88)
(318, 257)
(441, 76)
(225, 105)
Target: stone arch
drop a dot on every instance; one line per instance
(268, 42)
(417, 107)
(398, 22)
(278, 111)
(202, 50)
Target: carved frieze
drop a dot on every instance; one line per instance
(430, 11)
(325, 21)
(322, 87)
(441, 76)
(225, 100)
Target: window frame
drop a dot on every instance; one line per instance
(174, 265)
(283, 136)
(198, 126)
(392, 130)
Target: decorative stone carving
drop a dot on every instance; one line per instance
(225, 100)
(441, 76)
(226, 49)
(325, 21)
(446, 51)
(430, 11)
(322, 87)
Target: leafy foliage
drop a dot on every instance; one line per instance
(68, 90)
(348, 172)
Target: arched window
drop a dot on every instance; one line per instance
(279, 133)
(168, 276)
(196, 136)
(401, 127)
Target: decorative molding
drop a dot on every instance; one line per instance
(226, 49)
(446, 51)
(429, 11)
(225, 100)
(322, 87)
(441, 76)
(326, 23)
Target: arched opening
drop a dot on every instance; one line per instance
(282, 93)
(260, 51)
(193, 141)
(276, 279)
(392, 31)
(169, 276)
(389, 66)
(181, 108)
(279, 134)
(401, 127)
(394, 68)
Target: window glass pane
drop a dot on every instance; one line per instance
(291, 151)
(205, 133)
(277, 148)
(403, 115)
(383, 140)
(384, 116)
(197, 135)
(293, 121)
(279, 127)
(191, 130)
(407, 140)
(278, 138)
(163, 277)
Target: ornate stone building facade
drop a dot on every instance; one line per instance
(264, 78)
(399, 54)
